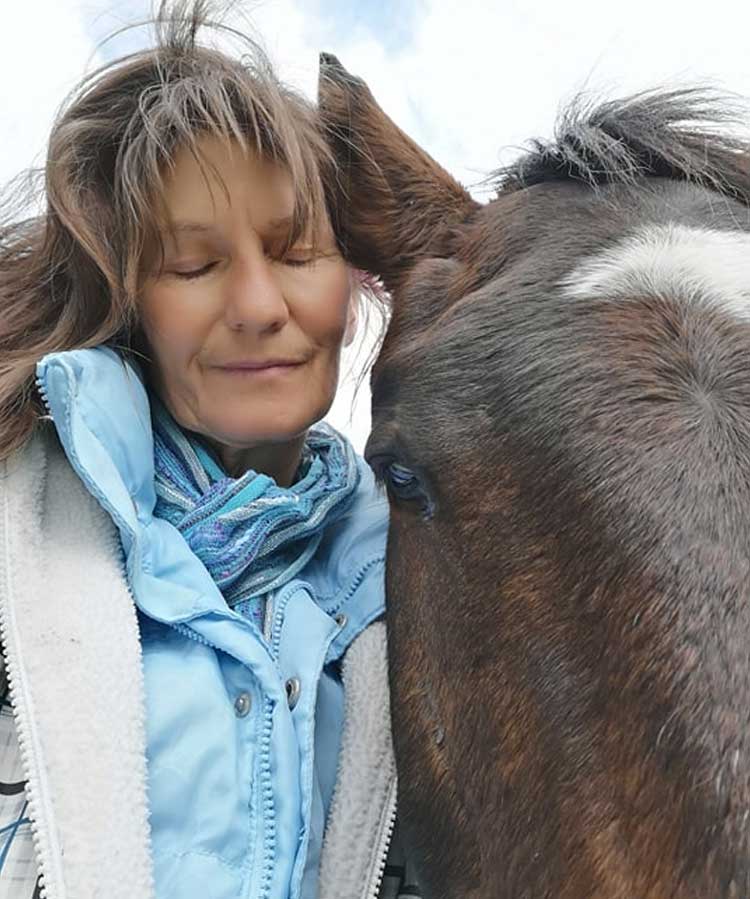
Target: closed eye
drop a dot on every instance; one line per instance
(298, 261)
(190, 274)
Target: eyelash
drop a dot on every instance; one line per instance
(298, 263)
(196, 273)
(205, 269)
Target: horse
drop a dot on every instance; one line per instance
(561, 420)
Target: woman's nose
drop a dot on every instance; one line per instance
(254, 299)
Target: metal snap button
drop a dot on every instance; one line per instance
(293, 688)
(242, 705)
(341, 620)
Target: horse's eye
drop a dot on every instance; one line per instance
(405, 486)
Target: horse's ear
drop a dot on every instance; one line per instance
(390, 201)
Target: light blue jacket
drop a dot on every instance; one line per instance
(238, 780)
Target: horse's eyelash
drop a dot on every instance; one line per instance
(379, 475)
(378, 472)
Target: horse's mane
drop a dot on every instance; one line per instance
(689, 134)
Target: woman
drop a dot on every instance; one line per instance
(192, 569)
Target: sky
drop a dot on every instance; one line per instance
(471, 81)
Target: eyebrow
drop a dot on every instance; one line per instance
(187, 228)
(280, 223)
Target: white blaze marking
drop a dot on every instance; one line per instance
(673, 261)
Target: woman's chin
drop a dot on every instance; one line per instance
(251, 434)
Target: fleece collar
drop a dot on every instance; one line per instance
(72, 653)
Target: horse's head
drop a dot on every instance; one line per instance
(561, 416)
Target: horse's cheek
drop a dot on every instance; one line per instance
(429, 809)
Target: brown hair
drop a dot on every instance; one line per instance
(69, 276)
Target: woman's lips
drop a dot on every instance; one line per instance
(269, 367)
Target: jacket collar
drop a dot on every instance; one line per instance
(100, 407)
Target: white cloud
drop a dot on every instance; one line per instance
(44, 51)
(479, 79)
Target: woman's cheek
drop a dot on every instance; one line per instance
(333, 306)
(173, 343)
(180, 322)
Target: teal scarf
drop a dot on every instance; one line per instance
(252, 536)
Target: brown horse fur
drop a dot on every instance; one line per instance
(568, 566)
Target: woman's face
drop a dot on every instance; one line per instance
(245, 344)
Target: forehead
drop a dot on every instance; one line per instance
(691, 265)
(521, 289)
(223, 179)
(555, 234)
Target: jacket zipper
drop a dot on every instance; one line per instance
(383, 845)
(47, 856)
(268, 619)
(354, 586)
(267, 820)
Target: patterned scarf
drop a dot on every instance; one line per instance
(252, 536)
